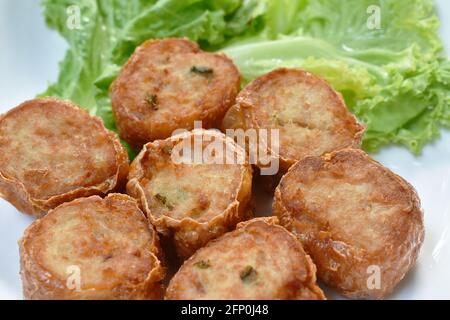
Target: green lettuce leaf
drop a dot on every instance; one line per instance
(394, 78)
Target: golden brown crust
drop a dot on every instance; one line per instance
(108, 240)
(62, 154)
(311, 117)
(190, 203)
(259, 260)
(355, 218)
(157, 91)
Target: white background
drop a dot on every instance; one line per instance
(29, 56)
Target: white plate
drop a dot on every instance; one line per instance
(29, 55)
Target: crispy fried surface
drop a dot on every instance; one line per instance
(168, 84)
(194, 202)
(311, 117)
(351, 213)
(52, 151)
(259, 260)
(109, 240)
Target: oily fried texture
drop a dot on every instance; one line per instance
(109, 240)
(311, 117)
(168, 84)
(351, 214)
(191, 201)
(259, 260)
(52, 151)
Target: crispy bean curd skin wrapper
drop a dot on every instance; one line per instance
(192, 202)
(52, 151)
(361, 224)
(258, 260)
(167, 85)
(311, 117)
(92, 248)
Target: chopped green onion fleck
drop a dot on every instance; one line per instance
(202, 264)
(152, 101)
(162, 199)
(202, 70)
(248, 274)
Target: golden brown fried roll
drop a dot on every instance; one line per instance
(92, 248)
(168, 84)
(361, 224)
(52, 151)
(311, 117)
(259, 260)
(190, 201)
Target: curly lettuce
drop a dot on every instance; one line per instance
(394, 76)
